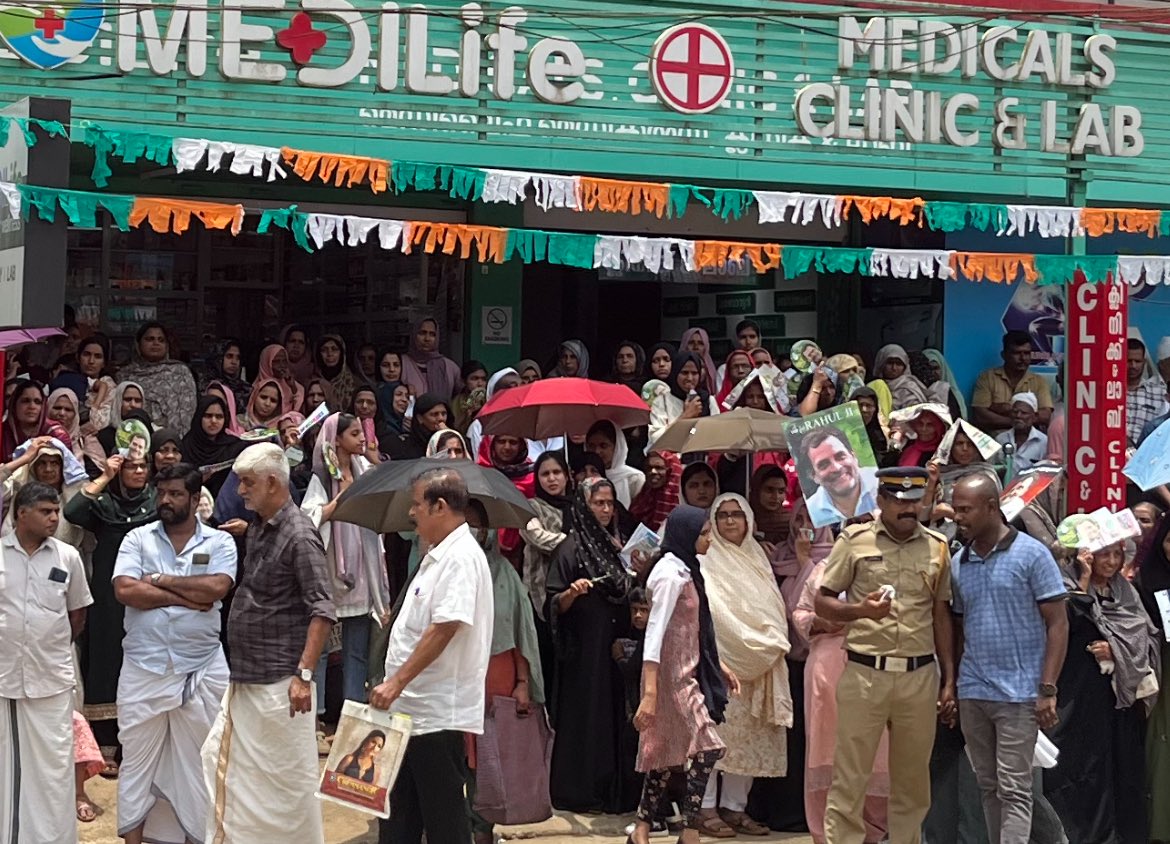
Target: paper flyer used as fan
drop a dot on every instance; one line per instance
(366, 757)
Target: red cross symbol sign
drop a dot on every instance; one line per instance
(49, 24)
(691, 68)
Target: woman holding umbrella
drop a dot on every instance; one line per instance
(586, 606)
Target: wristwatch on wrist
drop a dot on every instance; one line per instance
(306, 674)
(1047, 690)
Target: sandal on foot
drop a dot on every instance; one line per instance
(740, 822)
(714, 827)
(87, 812)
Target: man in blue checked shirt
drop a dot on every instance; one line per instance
(1010, 597)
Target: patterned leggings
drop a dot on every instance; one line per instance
(654, 787)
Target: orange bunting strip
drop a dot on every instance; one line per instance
(1099, 221)
(488, 242)
(995, 267)
(718, 253)
(905, 211)
(347, 170)
(174, 215)
(624, 197)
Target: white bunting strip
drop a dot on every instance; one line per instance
(1046, 220)
(911, 263)
(12, 197)
(1152, 269)
(557, 191)
(349, 230)
(654, 253)
(323, 228)
(247, 159)
(805, 207)
(507, 186)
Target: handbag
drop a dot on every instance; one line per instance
(513, 759)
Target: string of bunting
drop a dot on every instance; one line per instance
(491, 244)
(588, 193)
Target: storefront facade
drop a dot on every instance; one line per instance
(1043, 112)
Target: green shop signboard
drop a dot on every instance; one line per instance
(678, 91)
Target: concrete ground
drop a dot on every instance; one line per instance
(345, 826)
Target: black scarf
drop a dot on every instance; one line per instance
(680, 360)
(199, 449)
(683, 527)
(596, 554)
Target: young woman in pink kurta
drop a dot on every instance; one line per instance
(822, 671)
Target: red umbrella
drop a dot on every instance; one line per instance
(558, 406)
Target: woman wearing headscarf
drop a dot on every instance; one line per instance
(27, 419)
(659, 361)
(168, 387)
(822, 672)
(629, 365)
(737, 367)
(318, 391)
(448, 443)
(685, 685)
(332, 366)
(274, 366)
(365, 407)
(207, 442)
(699, 485)
(659, 495)
(295, 340)
(928, 423)
(127, 403)
(685, 396)
(393, 401)
(47, 461)
(361, 589)
(1153, 576)
(224, 366)
(431, 414)
(1108, 686)
(868, 404)
(266, 404)
(607, 442)
(759, 390)
(771, 505)
(529, 371)
(964, 450)
(944, 375)
(217, 388)
(62, 406)
(892, 365)
(585, 604)
(696, 341)
(109, 507)
(509, 456)
(424, 368)
(547, 530)
(751, 627)
(937, 390)
(514, 668)
(816, 392)
(572, 360)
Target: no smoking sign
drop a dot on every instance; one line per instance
(691, 68)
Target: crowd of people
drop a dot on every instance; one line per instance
(780, 663)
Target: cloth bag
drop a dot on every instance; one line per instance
(513, 758)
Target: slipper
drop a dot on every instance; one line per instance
(714, 826)
(110, 772)
(740, 822)
(87, 812)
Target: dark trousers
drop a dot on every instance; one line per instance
(428, 795)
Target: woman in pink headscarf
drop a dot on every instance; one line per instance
(424, 369)
(274, 366)
(696, 340)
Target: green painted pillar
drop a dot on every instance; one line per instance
(493, 317)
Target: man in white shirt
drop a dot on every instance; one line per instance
(436, 665)
(172, 576)
(43, 596)
(1031, 443)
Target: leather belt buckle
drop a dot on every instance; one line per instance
(900, 664)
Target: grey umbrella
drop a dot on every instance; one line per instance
(380, 499)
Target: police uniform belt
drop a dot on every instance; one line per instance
(900, 664)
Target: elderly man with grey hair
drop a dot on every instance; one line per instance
(260, 759)
(436, 665)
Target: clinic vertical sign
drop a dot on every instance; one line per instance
(33, 251)
(1095, 394)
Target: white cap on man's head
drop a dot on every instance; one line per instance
(1028, 399)
(1163, 349)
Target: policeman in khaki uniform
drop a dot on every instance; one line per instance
(898, 650)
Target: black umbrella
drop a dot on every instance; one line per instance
(380, 499)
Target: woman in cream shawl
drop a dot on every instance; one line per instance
(751, 628)
(892, 365)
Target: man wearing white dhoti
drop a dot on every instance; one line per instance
(172, 576)
(260, 761)
(43, 596)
